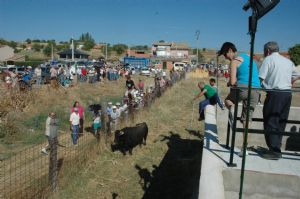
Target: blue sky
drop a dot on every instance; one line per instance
(142, 22)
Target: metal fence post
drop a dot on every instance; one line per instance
(228, 131)
(53, 164)
(231, 164)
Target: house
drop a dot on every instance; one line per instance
(170, 49)
(78, 54)
(165, 54)
(138, 53)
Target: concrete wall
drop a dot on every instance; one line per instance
(259, 185)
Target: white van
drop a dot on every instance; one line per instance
(179, 66)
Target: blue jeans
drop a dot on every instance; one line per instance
(219, 101)
(75, 130)
(212, 101)
(38, 81)
(202, 106)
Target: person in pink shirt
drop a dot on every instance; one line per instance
(81, 114)
(141, 85)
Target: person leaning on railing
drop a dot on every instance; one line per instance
(239, 76)
(276, 73)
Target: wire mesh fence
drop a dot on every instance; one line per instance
(32, 173)
(28, 173)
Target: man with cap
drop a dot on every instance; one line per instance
(239, 76)
(118, 105)
(109, 108)
(75, 125)
(114, 119)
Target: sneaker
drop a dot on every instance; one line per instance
(271, 155)
(200, 118)
(44, 151)
(241, 153)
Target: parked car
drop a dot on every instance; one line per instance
(179, 66)
(145, 71)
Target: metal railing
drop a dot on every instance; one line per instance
(233, 118)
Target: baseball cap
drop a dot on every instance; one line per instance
(225, 47)
(109, 103)
(114, 107)
(118, 104)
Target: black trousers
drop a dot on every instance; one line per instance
(276, 112)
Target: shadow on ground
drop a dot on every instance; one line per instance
(178, 174)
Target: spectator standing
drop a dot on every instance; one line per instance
(51, 131)
(212, 83)
(38, 75)
(141, 85)
(84, 74)
(114, 119)
(109, 108)
(80, 110)
(79, 74)
(239, 76)
(75, 124)
(61, 77)
(97, 123)
(277, 73)
(130, 84)
(53, 77)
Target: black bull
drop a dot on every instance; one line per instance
(129, 137)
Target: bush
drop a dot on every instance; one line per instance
(29, 63)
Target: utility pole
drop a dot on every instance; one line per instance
(52, 57)
(72, 49)
(105, 51)
(197, 45)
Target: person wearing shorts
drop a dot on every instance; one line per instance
(239, 76)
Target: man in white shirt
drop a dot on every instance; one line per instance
(276, 72)
(75, 121)
(38, 75)
(114, 119)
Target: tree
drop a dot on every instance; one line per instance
(140, 47)
(88, 41)
(3, 41)
(36, 47)
(28, 41)
(294, 53)
(47, 50)
(13, 44)
(120, 48)
(201, 58)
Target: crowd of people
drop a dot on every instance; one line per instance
(108, 117)
(61, 75)
(276, 76)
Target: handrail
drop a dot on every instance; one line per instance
(233, 118)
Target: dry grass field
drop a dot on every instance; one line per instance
(167, 167)
(167, 118)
